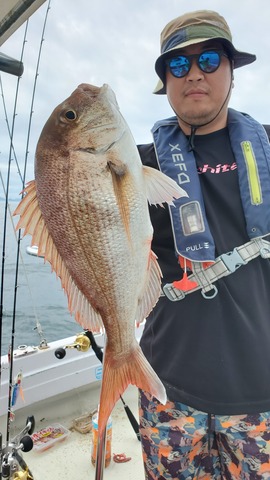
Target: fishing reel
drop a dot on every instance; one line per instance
(82, 343)
(13, 466)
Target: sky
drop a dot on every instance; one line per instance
(115, 42)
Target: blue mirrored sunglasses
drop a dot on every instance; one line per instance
(208, 62)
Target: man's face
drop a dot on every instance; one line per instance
(197, 97)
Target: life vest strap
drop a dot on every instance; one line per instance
(224, 265)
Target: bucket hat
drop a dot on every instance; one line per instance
(192, 28)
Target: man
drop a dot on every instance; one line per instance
(208, 338)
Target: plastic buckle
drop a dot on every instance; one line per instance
(232, 260)
(264, 247)
(172, 293)
(265, 252)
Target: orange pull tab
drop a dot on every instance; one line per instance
(185, 284)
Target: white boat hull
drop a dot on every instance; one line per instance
(59, 391)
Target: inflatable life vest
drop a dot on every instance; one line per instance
(251, 149)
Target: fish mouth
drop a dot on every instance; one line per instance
(104, 90)
(93, 89)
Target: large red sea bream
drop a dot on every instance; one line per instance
(87, 211)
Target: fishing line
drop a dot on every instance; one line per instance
(38, 327)
(34, 89)
(8, 128)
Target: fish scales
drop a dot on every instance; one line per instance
(107, 240)
(87, 210)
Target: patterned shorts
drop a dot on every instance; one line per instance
(180, 442)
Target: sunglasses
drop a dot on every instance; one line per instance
(208, 62)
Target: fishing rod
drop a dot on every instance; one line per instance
(23, 185)
(12, 464)
(101, 439)
(18, 248)
(4, 247)
(82, 343)
(6, 64)
(43, 342)
(100, 460)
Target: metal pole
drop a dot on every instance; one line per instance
(1, 450)
(101, 446)
(10, 65)
(100, 460)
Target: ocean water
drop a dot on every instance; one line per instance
(39, 294)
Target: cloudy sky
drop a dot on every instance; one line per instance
(117, 42)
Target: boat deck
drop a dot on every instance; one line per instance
(71, 458)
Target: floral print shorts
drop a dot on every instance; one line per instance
(180, 442)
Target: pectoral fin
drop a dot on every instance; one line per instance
(160, 188)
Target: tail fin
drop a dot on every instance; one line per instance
(132, 369)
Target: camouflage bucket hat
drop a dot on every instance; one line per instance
(192, 28)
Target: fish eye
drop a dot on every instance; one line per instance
(70, 115)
